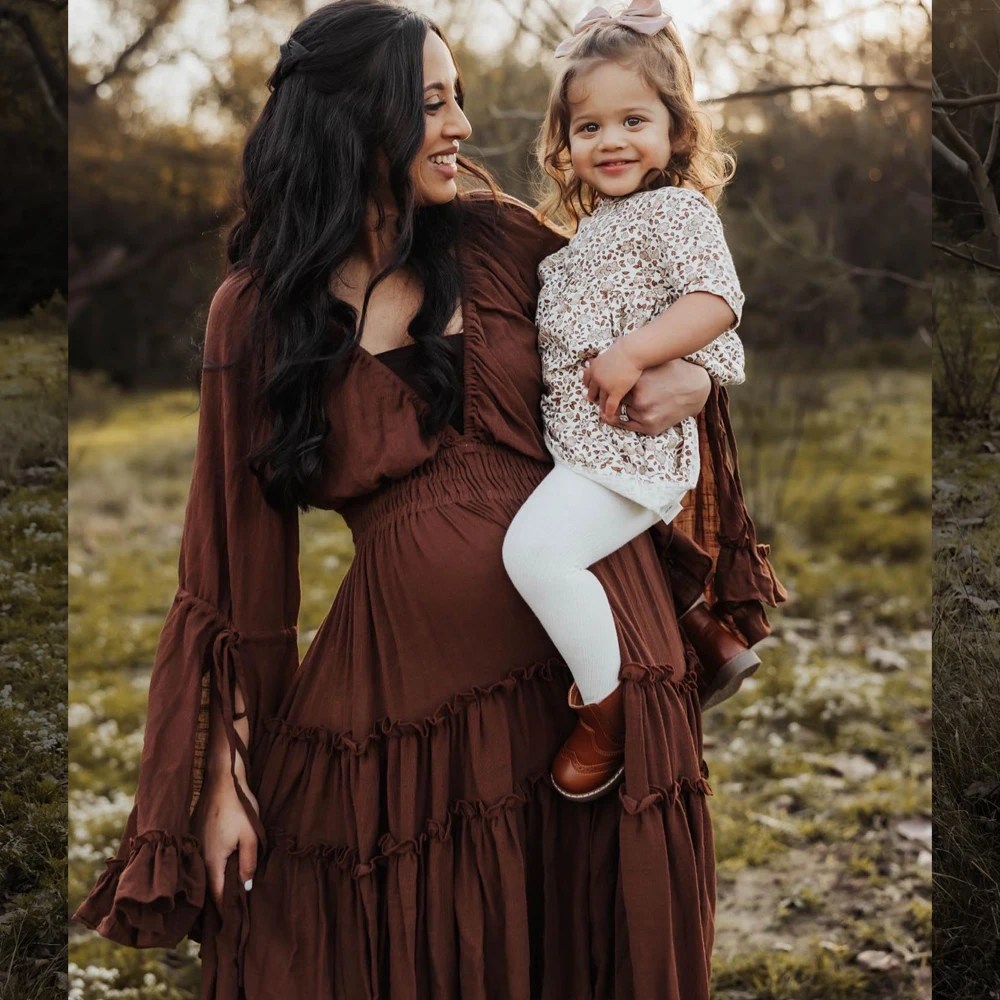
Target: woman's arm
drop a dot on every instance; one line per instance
(231, 627)
(665, 395)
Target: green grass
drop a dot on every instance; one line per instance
(33, 817)
(824, 758)
(810, 858)
(966, 581)
(966, 708)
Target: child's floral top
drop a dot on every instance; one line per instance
(626, 264)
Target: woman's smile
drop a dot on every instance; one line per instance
(444, 121)
(446, 163)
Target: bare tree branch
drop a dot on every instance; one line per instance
(856, 270)
(978, 101)
(994, 129)
(164, 12)
(978, 176)
(739, 95)
(117, 263)
(902, 86)
(559, 17)
(952, 159)
(969, 258)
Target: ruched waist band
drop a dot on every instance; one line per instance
(461, 472)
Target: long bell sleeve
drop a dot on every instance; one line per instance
(232, 620)
(711, 548)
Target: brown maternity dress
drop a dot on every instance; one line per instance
(412, 845)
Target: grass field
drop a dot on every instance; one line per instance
(33, 657)
(821, 770)
(966, 578)
(966, 709)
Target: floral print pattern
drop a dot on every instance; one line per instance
(630, 260)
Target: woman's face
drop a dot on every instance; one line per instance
(434, 170)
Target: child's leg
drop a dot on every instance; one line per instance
(566, 525)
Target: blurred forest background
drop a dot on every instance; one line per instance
(821, 768)
(966, 573)
(827, 220)
(33, 152)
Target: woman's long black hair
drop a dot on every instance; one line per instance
(349, 85)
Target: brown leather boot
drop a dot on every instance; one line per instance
(592, 760)
(727, 660)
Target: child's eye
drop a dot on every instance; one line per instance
(434, 107)
(634, 118)
(587, 126)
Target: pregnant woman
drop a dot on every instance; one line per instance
(378, 821)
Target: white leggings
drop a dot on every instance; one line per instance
(567, 524)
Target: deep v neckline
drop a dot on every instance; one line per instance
(470, 331)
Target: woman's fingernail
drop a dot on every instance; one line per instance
(248, 884)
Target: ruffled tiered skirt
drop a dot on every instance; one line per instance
(415, 847)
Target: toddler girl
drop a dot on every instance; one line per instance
(647, 277)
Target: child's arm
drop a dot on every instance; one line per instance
(721, 355)
(688, 325)
(687, 242)
(723, 358)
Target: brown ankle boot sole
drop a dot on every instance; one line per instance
(595, 793)
(730, 678)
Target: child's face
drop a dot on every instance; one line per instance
(618, 128)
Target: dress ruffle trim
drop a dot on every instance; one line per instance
(342, 741)
(152, 897)
(153, 892)
(670, 796)
(746, 563)
(332, 742)
(347, 858)
(641, 673)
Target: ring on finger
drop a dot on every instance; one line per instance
(623, 413)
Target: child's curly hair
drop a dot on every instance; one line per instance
(699, 159)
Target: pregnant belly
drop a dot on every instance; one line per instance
(426, 609)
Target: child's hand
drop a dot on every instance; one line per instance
(609, 377)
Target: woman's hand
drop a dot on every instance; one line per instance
(224, 827)
(609, 377)
(222, 823)
(663, 396)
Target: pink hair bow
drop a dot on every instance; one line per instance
(645, 16)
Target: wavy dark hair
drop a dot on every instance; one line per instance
(348, 86)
